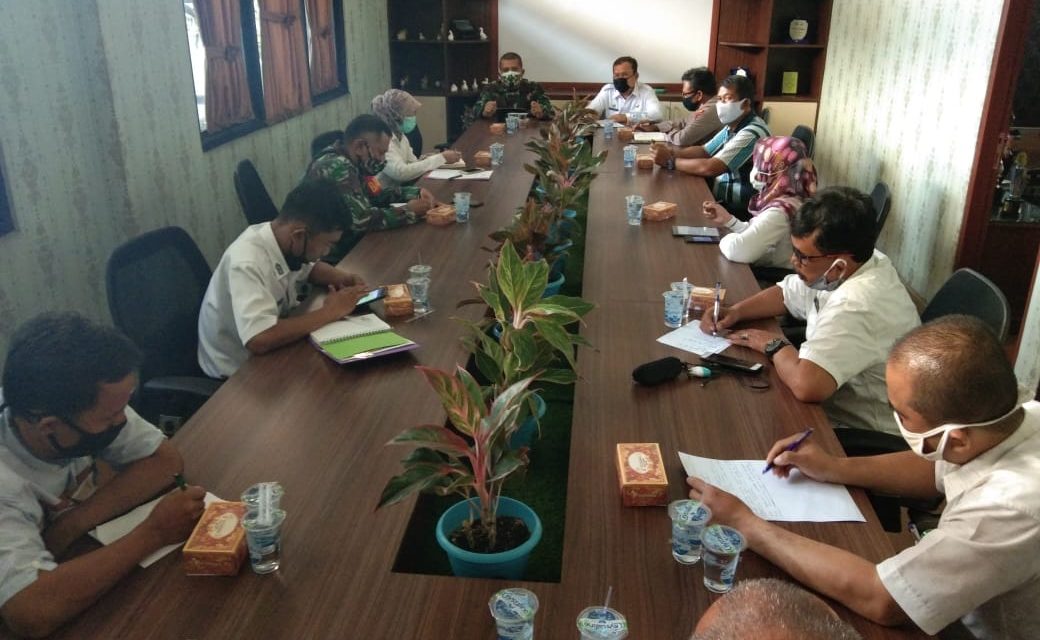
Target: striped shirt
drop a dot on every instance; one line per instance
(734, 149)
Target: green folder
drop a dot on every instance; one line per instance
(359, 338)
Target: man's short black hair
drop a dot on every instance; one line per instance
(56, 362)
(630, 60)
(701, 79)
(365, 123)
(740, 85)
(318, 204)
(844, 218)
(510, 55)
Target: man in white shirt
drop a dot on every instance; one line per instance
(66, 385)
(975, 439)
(626, 95)
(854, 305)
(265, 273)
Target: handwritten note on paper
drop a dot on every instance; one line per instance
(793, 499)
(116, 528)
(691, 338)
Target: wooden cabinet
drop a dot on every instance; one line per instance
(430, 64)
(754, 34)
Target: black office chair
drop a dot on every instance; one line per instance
(806, 135)
(155, 287)
(323, 140)
(882, 198)
(966, 292)
(252, 194)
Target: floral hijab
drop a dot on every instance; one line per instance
(784, 165)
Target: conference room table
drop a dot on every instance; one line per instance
(320, 429)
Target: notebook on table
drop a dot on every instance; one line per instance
(359, 338)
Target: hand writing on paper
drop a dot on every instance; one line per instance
(173, 517)
(808, 458)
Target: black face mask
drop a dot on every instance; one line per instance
(621, 84)
(89, 444)
(690, 104)
(296, 262)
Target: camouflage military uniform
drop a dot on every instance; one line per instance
(365, 198)
(511, 95)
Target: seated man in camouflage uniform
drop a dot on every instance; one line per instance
(352, 163)
(512, 91)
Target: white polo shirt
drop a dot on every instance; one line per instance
(982, 564)
(250, 290)
(849, 333)
(609, 102)
(32, 491)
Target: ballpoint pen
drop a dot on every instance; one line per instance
(793, 446)
(178, 479)
(715, 311)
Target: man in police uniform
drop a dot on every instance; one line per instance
(353, 163)
(66, 384)
(265, 273)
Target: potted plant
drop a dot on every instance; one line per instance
(526, 333)
(486, 534)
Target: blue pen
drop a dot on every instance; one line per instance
(792, 447)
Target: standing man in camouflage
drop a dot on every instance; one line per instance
(513, 92)
(353, 163)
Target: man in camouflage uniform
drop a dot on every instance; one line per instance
(352, 163)
(512, 91)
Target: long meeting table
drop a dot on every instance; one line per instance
(319, 429)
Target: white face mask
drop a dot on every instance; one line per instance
(757, 183)
(729, 112)
(916, 440)
(821, 284)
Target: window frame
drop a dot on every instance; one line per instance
(6, 208)
(251, 56)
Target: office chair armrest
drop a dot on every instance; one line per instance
(191, 385)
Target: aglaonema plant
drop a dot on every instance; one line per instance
(472, 459)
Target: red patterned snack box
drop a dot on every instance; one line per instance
(217, 546)
(641, 475)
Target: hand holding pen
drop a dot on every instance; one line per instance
(807, 457)
(790, 447)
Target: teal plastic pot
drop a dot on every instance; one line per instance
(508, 565)
(523, 436)
(554, 286)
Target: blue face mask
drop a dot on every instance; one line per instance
(408, 124)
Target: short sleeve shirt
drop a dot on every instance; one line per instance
(982, 563)
(609, 102)
(33, 491)
(734, 149)
(849, 332)
(251, 288)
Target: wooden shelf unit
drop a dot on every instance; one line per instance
(437, 59)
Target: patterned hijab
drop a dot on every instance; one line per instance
(789, 174)
(391, 107)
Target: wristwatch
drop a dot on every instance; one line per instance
(775, 345)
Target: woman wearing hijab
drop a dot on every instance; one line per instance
(397, 109)
(784, 176)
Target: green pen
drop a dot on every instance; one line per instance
(179, 480)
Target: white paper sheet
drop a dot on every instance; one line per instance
(691, 338)
(116, 528)
(792, 499)
(649, 136)
(455, 174)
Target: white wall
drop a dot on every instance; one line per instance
(101, 142)
(576, 40)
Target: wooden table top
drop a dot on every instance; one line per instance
(320, 429)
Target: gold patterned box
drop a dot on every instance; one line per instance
(645, 161)
(217, 546)
(660, 210)
(641, 475)
(482, 159)
(441, 215)
(398, 301)
(497, 128)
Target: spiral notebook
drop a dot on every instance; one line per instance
(359, 338)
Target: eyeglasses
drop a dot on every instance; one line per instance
(804, 259)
